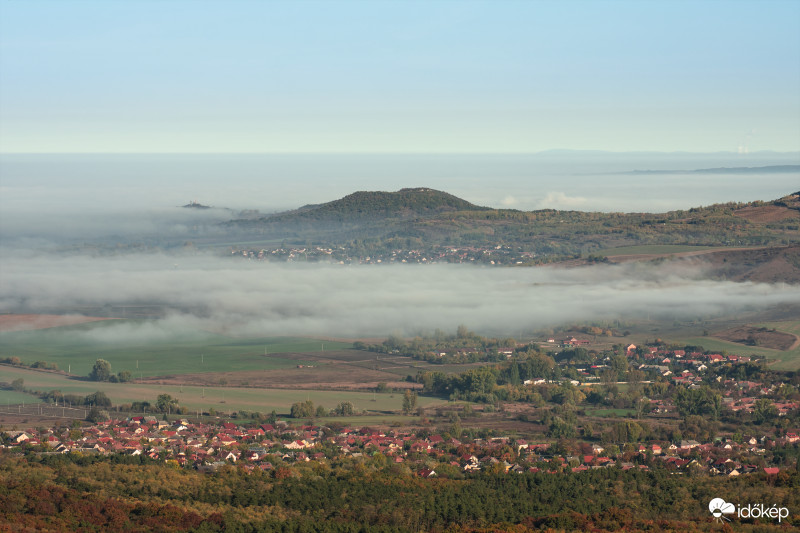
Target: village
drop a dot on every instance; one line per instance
(208, 446)
(494, 255)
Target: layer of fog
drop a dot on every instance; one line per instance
(241, 298)
(63, 197)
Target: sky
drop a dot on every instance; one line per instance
(398, 77)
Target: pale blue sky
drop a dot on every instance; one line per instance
(412, 76)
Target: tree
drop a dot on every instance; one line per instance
(98, 399)
(619, 363)
(18, 384)
(455, 428)
(409, 401)
(560, 428)
(567, 394)
(702, 401)
(764, 411)
(124, 376)
(96, 415)
(101, 371)
(303, 409)
(610, 377)
(345, 409)
(635, 378)
(514, 374)
(165, 403)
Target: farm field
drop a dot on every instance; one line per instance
(207, 360)
(336, 369)
(76, 348)
(218, 398)
(656, 249)
(14, 397)
(784, 360)
(403, 366)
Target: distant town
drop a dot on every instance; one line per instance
(498, 255)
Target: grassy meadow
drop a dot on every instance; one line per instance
(206, 398)
(76, 348)
(12, 397)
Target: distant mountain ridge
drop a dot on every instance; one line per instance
(405, 204)
(771, 169)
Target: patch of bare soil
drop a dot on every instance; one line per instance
(766, 214)
(776, 264)
(21, 422)
(15, 322)
(676, 255)
(762, 337)
(627, 258)
(502, 422)
(780, 264)
(339, 377)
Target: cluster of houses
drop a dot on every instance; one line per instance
(699, 360)
(739, 395)
(209, 446)
(490, 255)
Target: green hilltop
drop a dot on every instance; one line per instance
(423, 217)
(420, 202)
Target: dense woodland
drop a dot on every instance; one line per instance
(94, 493)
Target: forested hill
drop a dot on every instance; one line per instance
(421, 218)
(379, 205)
(357, 215)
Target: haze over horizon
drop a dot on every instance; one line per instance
(140, 107)
(113, 114)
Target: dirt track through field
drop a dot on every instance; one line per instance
(15, 322)
(647, 257)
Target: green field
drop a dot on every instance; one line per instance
(656, 249)
(218, 398)
(784, 360)
(76, 348)
(13, 397)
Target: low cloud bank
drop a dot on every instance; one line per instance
(236, 297)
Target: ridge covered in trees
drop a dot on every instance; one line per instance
(95, 493)
(369, 223)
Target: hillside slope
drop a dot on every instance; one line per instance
(425, 218)
(766, 265)
(378, 205)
